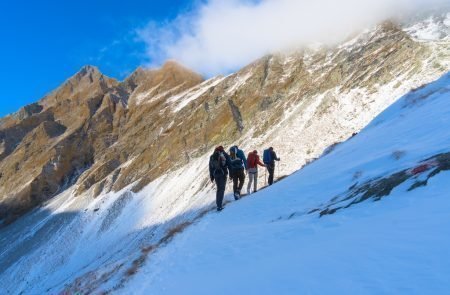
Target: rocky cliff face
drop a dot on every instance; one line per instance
(45, 147)
(105, 135)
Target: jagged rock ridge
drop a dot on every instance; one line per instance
(157, 120)
(46, 146)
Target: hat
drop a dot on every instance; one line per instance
(219, 149)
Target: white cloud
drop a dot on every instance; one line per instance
(222, 35)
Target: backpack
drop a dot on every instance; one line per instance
(251, 159)
(267, 157)
(218, 163)
(236, 164)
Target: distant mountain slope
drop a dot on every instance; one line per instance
(104, 135)
(370, 217)
(48, 145)
(113, 169)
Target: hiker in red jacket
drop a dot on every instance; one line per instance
(253, 161)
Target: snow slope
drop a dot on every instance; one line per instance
(388, 233)
(436, 27)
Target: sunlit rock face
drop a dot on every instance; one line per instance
(102, 135)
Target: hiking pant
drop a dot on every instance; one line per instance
(221, 182)
(252, 177)
(271, 170)
(238, 180)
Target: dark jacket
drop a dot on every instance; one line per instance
(236, 164)
(274, 158)
(240, 154)
(223, 170)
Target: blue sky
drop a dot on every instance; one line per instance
(45, 42)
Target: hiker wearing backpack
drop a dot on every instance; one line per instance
(253, 161)
(240, 154)
(269, 159)
(218, 172)
(238, 163)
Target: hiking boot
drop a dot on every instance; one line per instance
(219, 209)
(236, 196)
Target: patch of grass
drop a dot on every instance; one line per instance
(136, 264)
(145, 251)
(171, 233)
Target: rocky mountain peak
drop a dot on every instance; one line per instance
(173, 65)
(172, 77)
(169, 68)
(89, 75)
(88, 69)
(88, 82)
(136, 78)
(174, 72)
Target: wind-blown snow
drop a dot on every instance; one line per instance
(269, 244)
(433, 28)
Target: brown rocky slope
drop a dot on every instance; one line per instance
(104, 135)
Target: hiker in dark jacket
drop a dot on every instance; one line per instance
(269, 159)
(253, 161)
(218, 171)
(238, 163)
(240, 154)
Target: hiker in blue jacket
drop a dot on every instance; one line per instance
(240, 154)
(269, 158)
(238, 163)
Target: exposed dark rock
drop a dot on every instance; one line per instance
(378, 188)
(29, 111)
(266, 103)
(237, 117)
(115, 210)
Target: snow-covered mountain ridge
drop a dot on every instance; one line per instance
(117, 167)
(370, 217)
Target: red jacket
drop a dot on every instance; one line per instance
(253, 160)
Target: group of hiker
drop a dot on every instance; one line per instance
(235, 165)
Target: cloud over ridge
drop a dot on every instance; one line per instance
(219, 36)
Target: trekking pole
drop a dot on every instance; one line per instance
(265, 176)
(278, 171)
